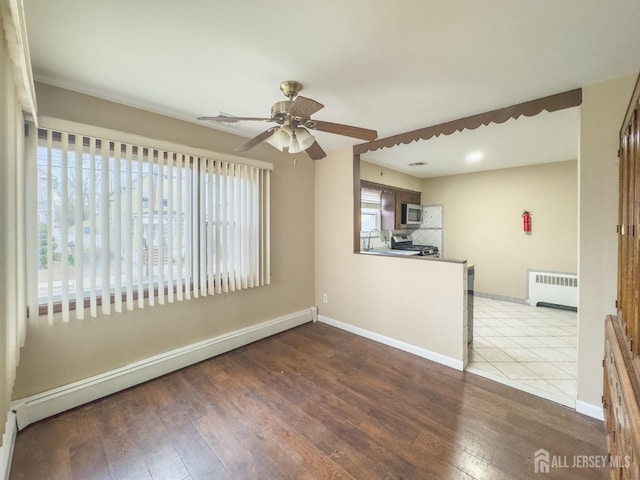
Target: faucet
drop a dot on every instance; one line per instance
(368, 248)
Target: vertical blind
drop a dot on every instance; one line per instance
(122, 225)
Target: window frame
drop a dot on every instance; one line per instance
(370, 209)
(74, 128)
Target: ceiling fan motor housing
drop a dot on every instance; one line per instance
(279, 111)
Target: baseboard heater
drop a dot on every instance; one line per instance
(46, 404)
(558, 290)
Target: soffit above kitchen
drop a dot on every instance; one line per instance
(388, 66)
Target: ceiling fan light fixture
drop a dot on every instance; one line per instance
(302, 140)
(293, 140)
(294, 147)
(281, 138)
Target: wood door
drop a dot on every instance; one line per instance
(621, 398)
(628, 298)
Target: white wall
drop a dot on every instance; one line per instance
(602, 112)
(419, 302)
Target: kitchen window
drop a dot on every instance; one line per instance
(122, 225)
(369, 210)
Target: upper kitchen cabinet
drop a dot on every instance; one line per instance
(388, 213)
(391, 200)
(410, 197)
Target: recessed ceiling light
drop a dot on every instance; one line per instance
(418, 164)
(474, 156)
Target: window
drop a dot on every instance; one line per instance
(118, 223)
(369, 210)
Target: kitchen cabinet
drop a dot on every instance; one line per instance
(410, 197)
(391, 200)
(404, 196)
(388, 211)
(398, 212)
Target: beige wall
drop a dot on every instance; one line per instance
(378, 293)
(602, 112)
(483, 223)
(57, 355)
(419, 302)
(375, 173)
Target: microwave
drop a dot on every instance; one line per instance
(411, 215)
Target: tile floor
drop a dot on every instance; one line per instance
(530, 348)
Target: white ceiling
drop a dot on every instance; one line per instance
(388, 66)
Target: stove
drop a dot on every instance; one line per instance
(404, 242)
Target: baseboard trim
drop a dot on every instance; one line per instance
(392, 342)
(52, 402)
(8, 442)
(502, 298)
(590, 410)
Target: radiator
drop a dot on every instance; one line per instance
(555, 288)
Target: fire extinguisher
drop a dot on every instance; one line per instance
(526, 221)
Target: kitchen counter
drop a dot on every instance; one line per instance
(387, 252)
(390, 252)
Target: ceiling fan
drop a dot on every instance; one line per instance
(293, 119)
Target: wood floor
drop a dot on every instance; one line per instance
(314, 402)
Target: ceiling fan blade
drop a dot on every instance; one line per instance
(256, 140)
(315, 151)
(346, 130)
(227, 119)
(303, 107)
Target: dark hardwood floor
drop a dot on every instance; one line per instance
(314, 402)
